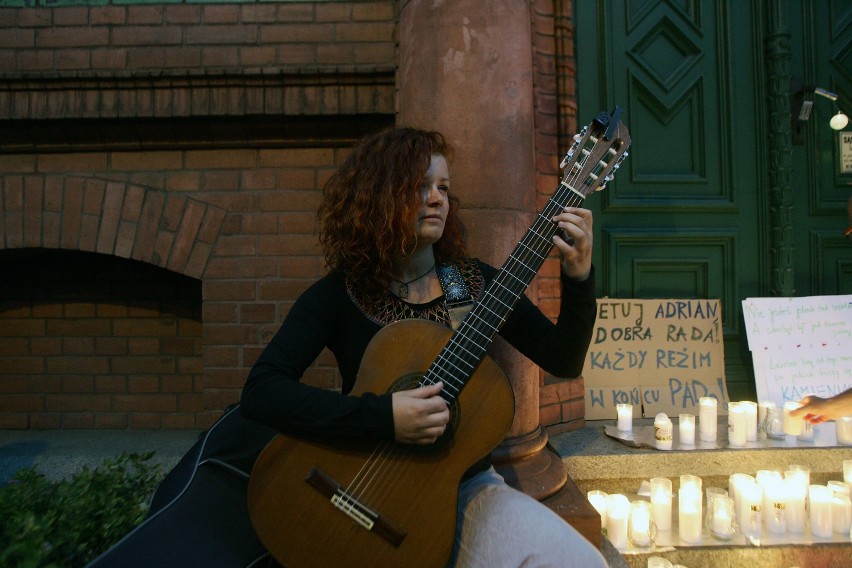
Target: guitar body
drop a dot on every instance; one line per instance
(409, 493)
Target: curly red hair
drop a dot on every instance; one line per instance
(369, 208)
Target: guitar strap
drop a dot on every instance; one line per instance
(457, 297)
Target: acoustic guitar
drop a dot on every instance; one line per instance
(321, 503)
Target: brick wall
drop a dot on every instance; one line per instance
(192, 139)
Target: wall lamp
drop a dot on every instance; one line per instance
(837, 122)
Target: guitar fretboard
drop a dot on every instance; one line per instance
(589, 159)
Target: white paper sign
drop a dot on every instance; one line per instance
(800, 346)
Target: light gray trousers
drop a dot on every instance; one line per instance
(500, 527)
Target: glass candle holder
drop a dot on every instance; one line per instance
(641, 530)
(847, 471)
(809, 430)
(617, 517)
(792, 425)
(661, 503)
(709, 494)
(707, 417)
(820, 499)
(598, 500)
(686, 429)
(625, 417)
(772, 424)
(723, 523)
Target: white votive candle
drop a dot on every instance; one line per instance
(707, 417)
(821, 499)
(847, 471)
(796, 487)
(735, 482)
(792, 425)
(617, 516)
(750, 511)
(774, 506)
(663, 431)
(686, 429)
(736, 425)
(841, 513)
(598, 500)
(625, 417)
(689, 514)
(751, 419)
(661, 503)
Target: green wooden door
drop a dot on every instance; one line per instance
(693, 212)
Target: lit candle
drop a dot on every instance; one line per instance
(661, 503)
(735, 482)
(821, 514)
(689, 514)
(625, 417)
(663, 431)
(841, 513)
(774, 506)
(751, 419)
(641, 528)
(598, 500)
(844, 430)
(736, 425)
(750, 515)
(796, 486)
(792, 425)
(686, 429)
(617, 515)
(707, 418)
(722, 517)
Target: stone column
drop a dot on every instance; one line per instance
(465, 69)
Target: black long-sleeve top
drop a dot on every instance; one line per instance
(329, 314)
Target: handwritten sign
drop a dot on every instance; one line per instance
(800, 346)
(659, 355)
(845, 139)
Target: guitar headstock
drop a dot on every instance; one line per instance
(596, 154)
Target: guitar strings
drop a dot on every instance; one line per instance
(382, 463)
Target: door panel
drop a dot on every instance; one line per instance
(681, 218)
(690, 214)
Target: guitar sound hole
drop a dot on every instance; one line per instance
(412, 381)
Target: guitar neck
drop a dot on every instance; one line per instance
(589, 165)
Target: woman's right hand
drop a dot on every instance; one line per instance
(420, 415)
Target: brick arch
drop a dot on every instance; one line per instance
(90, 214)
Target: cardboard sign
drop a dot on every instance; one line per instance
(800, 346)
(659, 355)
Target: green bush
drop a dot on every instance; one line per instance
(69, 523)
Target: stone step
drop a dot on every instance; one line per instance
(596, 461)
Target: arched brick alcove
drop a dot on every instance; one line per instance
(100, 309)
(91, 214)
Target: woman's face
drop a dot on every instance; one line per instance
(435, 204)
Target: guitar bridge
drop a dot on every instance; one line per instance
(364, 516)
(355, 510)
